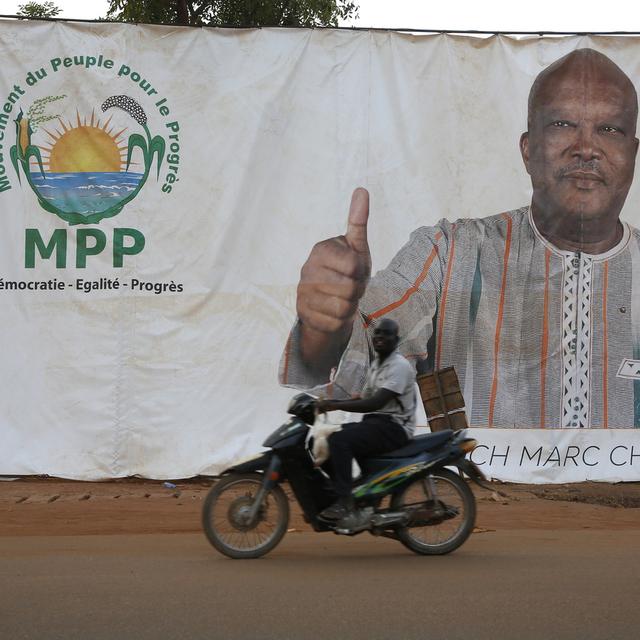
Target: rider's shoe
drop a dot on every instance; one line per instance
(355, 521)
(338, 510)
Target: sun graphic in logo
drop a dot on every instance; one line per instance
(84, 170)
(84, 148)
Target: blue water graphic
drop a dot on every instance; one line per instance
(85, 192)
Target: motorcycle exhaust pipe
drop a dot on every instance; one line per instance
(389, 519)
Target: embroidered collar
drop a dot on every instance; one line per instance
(597, 257)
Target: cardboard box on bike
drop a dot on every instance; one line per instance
(442, 399)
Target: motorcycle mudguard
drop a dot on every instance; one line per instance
(259, 462)
(470, 469)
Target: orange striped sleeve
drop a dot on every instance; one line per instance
(443, 300)
(496, 342)
(412, 289)
(544, 349)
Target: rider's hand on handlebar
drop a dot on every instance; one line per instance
(321, 406)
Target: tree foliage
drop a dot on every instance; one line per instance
(38, 10)
(235, 13)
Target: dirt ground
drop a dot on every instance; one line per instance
(47, 506)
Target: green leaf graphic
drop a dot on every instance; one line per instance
(157, 146)
(136, 140)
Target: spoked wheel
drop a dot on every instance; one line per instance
(443, 512)
(226, 517)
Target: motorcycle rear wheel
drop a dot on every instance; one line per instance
(224, 517)
(448, 535)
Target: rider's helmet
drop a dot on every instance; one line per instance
(303, 406)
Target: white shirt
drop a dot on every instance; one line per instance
(396, 374)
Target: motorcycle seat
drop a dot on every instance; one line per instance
(427, 442)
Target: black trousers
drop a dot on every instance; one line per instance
(376, 434)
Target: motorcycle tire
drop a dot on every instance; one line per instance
(222, 517)
(444, 536)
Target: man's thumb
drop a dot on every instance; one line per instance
(356, 235)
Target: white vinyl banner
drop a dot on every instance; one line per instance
(161, 187)
(559, 455)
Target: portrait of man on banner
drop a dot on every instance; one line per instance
(537, 308)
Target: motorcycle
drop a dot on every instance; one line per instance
(430, 509)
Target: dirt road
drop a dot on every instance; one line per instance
(93, 560)
(58, 507)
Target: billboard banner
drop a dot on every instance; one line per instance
(557, 455)
(172, 267)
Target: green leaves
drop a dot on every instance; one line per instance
(18, 159)
(150, 147)
(235, 13)
(33, 152)
(157, 146)
(137, 140)
(13, 152)
(38, 10)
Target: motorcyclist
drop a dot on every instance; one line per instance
(388, 401)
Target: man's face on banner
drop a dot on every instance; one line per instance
(581, 146)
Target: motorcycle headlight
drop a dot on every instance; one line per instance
(468, 445)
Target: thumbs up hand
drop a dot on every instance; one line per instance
(356, 235)
(332, 281)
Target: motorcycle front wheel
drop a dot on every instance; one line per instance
(226, 516)
(440, 490)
